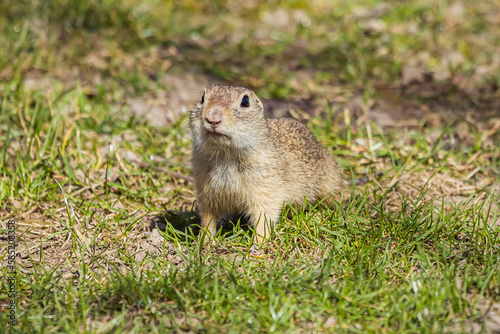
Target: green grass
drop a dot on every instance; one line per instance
(416, 248)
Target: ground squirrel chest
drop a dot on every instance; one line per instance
(244, 162)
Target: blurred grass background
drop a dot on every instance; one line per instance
(277, 47)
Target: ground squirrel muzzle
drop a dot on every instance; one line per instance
(246, 164)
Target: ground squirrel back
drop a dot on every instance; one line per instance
(247, 164)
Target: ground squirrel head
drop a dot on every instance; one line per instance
(227, 117)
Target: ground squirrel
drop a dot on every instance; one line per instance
(247, 164)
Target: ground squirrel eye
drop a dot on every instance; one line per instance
(245, 101)
(202, 99)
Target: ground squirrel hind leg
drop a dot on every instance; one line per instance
(329, 197)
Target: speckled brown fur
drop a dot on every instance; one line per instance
(244, 163)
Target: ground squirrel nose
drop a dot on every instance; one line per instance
(214, 118)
